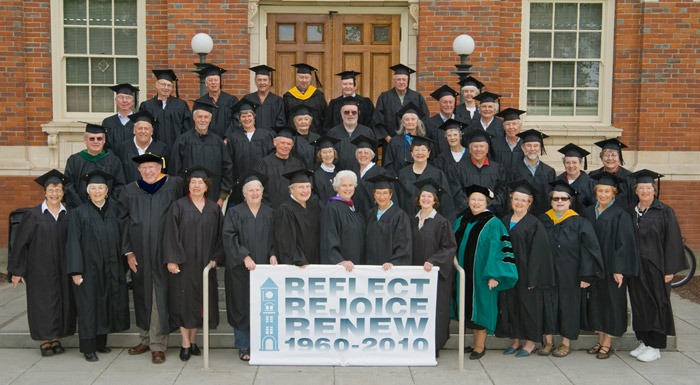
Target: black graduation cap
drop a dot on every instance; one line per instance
(251, 175)
(245, 104)
(303, 68)
(383, 181)
(421, 141)
(363, 141)
(607, 179)
(523, 186)
(325, 142)
(285, 131)
(509, 114)
(94, 128)
(471, 81)
(412, 108)
(52, 177)
(563, 186)
(127, 89)
(203, 105)
(96, 176)
(647, 176)
(211, 70)
(263, 70)
(300, 175)
(477, 136)
(168, 75)
(533, 135)
(198, 172)
(487, 97)
(400, 69)
(443, 91)
(350, 100)
(572, 150)
(429, 185)
(143, 116)
(149, 157)
(300, 110)
(450, 124)
(348, 75)
(612, 144)
(480, 189)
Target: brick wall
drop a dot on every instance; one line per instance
(16, 192)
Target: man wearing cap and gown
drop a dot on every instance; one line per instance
(574, 159)
(119, 126)
(388, 241)
(275, 165)
(304, 93)
(222, 117)
(296, 229)
(611, 156)
(322, 180)
(200, 147)
(94, 157)
(506, 150)
(346, 132)
(533, 170)
(446, 98)
(385, 120)
(397, 154)
(471, 114)
(364, 192)
(488, 106)
(303, 148)
(142, 209)
(348, 84)
(140, 143)
(269, 110)
(172, 113)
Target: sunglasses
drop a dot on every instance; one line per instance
(96, 139)
(349, 112)
(560, 199)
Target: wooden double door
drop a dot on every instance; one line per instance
(334, 43)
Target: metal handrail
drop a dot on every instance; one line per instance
(205, 321)
(462, 277)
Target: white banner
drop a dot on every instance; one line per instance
(324, 315)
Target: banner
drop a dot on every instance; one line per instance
(324, 315)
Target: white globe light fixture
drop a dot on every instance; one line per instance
(202, 44)
(463, 46)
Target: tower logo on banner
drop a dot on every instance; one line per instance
(269, 316)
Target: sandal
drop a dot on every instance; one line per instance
(562, 351)
(545, 350)
(595, 349)
(244, 354)
(604, 353)
(46, 349)
(56, 347)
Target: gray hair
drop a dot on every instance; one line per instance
(368, 149)
(344, 174)
(420, 128)
(246, 186)
(551, 194)
(469, 86)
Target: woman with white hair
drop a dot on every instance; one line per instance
(397, 154)
(247, 238)
(342, 226)
(468, 111)
(367, 169)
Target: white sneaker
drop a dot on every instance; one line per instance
(649, 355)
(638, 350)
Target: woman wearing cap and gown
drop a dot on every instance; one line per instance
(191, 240)
(577, 263)
(322, 180)
(484, 251)
(434, 245)
(388, 234)
(342, 226)
(574, 160)
(607, 302)
(304, 149)
(38, 259)
(94, 262)
(175, 118)
(611, 156)
(366, 169)
(469, 111)
(269, 110)
(397, 153)
(247, 240)
(521, 309)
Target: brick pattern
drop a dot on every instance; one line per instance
(16, 192)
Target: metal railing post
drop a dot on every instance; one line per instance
(205, 321)
(462, 277)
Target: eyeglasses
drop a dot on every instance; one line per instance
(96, 139)
(165, 85)
(560, 199)
(347, 112)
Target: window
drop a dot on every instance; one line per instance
(567, 50)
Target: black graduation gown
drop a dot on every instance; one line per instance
(607, 304)
(407, 191)
(222, 117)
(397, 155)
(277, 186)
(445, 161)
(334, 118)
(245, 154)
(436, 135)
(543, 175)
(495, 128)
(173, 120)
(316, 104)
(504, 155)
(584, 185)
(625, 195)
(142, 223)
(127, 150)
(389, 238)
(465, 174)
(192, 239)
(116, 131)
(342, 234)
(660, 247)
(75, 190)
(345, 148)
(296, 233)
(39, 255)
(269, 113)
(304, 150)
(244, 235)
(322, 186)
(190, 150)
(466, 116)
(521, 309)
(576, 256)
(93, 250)
(435, 243)
(364, 192)
(384, 121)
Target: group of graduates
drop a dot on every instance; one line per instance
(543, 254)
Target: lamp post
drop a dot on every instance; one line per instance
(202, 44)
(463, 46)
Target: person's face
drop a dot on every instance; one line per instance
(262, 82)
(363, 156)
(143, 131)
(149, 171)
(532, 150)
(610, 158)
(283, 145)
(303, 81)
(346, 188)
(487, 110)
(54, 193)
(382, 196)
(572, 165)
(400, 82)
(426, 200)
(469, 93)
(410, 122)
(247, 119)
(479, 150)
(420, 153)
(348, 86)
(197, 187)
(561, 202)
(253, 193)
(327, 155)
(164, 88)
(97, 192)
(604, 194)
(447, 105)
(201, 120)
(213, 83)
(645, 192)
(302, 123)
(453, 137)
(94, 142)
(124, 102)
(301, 191)
(349, 114)
(520, 202)
(512, 127)
(477, 202)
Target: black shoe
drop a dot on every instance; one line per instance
(185, 354)
(91, 357)
(104, 350)
(437, 353)
(468, 349)
(46, 349)
(476, 355)
(194, 349)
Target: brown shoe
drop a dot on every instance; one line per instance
(545, 350)
(138, 349)
(562, 351)
(157, 357)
